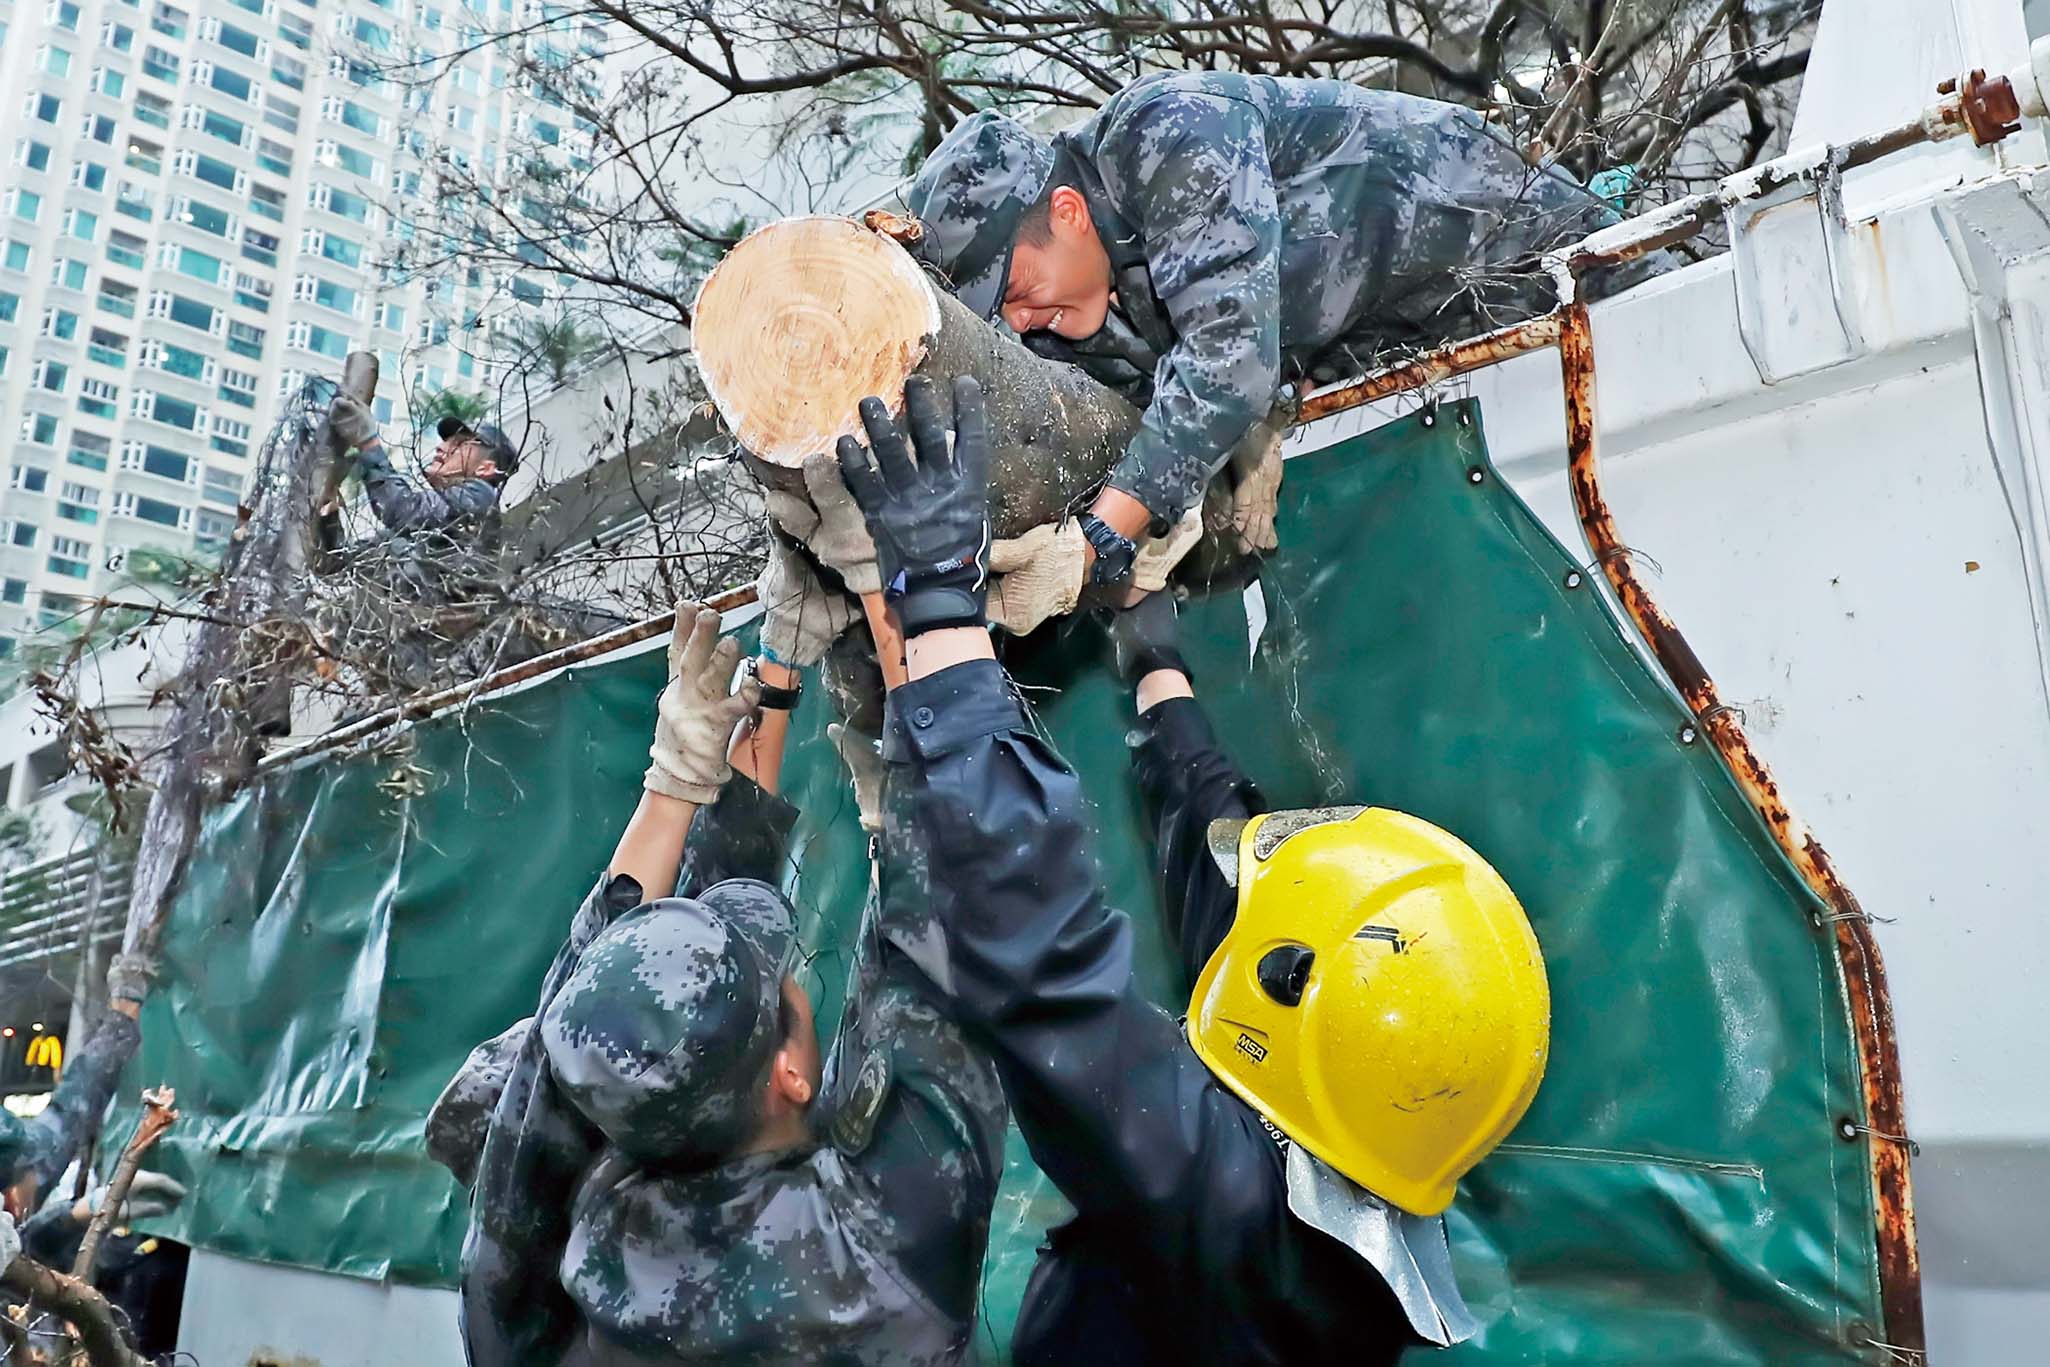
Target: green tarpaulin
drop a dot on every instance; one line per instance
(1678, 1194)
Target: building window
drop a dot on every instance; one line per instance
(89, 175)
(14, 591)
(27, 205)
(108, 348)
(69, 274)
(17, 256)
(125, 249)
(144, 156)
(238, 40)
(89, 451)
(252, 293)
(79, 503)
(230, 438)
(274, 157)
(238, 387)
(60, 323)
(99, 398)
(154, 110)
(116, 298)
(80, 224)
(246, 340)
(10, 305)
(109, 82)
(223, 487)
(34, 155)
(21, 533)
(260, 247)
(69, 557)
(45, 108)
(51, 376)
(39, 429)
(64, 15)
(31, 479)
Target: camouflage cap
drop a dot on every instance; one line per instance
(664, 1032)
(970, 195)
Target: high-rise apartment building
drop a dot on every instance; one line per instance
(197, 206)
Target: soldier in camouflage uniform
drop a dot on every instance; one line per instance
(671, 1172)
(34, 1153)
(1207, 238)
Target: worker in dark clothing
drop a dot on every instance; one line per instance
(34, 1153)
(463, 478)
(1264, 1184)
(1207, 238)
(671, 1172)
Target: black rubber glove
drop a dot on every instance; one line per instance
(929, 519)
(1146, 637)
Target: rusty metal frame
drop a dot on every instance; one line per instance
(1568, 329)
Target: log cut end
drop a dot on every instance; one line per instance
(800, 322)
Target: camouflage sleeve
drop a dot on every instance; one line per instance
(744, 833)
(403, 506)
(1193, 170)
(513, 1309)
(55, 1136)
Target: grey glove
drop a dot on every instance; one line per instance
(801, 618)
(826, 519)
(150, 1194)
(351, 421)
(695, 715)
(10, 1240)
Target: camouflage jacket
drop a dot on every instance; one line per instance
(403, 506)
(46, 1145)
(865, 1248)
(1263, 230)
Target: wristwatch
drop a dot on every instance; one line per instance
(1114, 551)
(775, 698)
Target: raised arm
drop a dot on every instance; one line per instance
(985, 831)
(514, 1312)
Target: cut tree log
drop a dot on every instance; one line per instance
(808, 316)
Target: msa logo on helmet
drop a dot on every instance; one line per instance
(1252, 1048)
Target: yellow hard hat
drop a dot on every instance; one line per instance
(1380, 998)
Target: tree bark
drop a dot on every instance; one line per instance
(807, 316)
(85, 1309)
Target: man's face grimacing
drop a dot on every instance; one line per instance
(460, 456)
(1060, 273)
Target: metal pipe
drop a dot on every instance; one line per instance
(427, 705)
(1435, 366)
(1900, 1276)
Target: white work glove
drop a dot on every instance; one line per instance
(1158, 555)
(865, 765)
(829, 522)
(801, 618)
(695, 715)
(1256, 490)
(351, 421)
(1037, 575)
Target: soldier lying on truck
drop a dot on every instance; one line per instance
(1207, 238)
